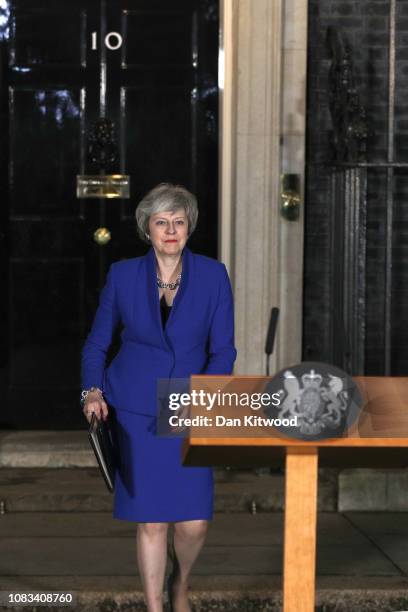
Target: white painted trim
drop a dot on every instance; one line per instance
(263, 48)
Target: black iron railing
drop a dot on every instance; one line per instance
(348, 202)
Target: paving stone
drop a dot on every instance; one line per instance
(365, 560)
(383, 523)
(239, 529)
(396, 548)
(260, 529)
(335, 528)
(113, 556)
(344, 549)
(49, 556)
(66, 524)
(252, 543)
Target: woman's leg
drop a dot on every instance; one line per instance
(189, 538)
(151, 540)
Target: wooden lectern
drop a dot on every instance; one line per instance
(378, 439)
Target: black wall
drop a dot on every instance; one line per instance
(365, 25)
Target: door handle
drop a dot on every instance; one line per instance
(102, 236)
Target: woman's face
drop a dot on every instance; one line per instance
(169, 231)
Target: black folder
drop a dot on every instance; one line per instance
(103, 443)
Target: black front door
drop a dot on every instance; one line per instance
(150, 67)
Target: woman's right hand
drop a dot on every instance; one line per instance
(95, 403)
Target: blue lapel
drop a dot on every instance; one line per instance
(153, 291)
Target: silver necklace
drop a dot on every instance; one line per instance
(171, 286)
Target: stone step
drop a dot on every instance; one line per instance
(362, 562)
(83, 490)
(53, 449)
(342, 490)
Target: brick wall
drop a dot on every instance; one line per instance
(365, 24)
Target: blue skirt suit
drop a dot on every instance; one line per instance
(195, 336)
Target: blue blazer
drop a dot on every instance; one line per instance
(198, 337)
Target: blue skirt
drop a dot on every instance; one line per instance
(151, 484)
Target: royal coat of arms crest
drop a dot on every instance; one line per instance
(323, 398)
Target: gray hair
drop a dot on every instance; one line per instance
(166, 197)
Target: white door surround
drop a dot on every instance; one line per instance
(263, 46)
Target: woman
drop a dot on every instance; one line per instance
(177, 312)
